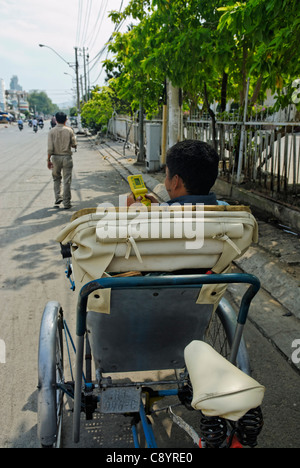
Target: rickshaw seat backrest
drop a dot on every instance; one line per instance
(164, 238)
(147, 328)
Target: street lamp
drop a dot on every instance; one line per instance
(77, 82)
(68, 63)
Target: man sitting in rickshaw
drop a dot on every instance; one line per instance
(191, 171)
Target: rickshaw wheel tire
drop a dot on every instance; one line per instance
(50, 376)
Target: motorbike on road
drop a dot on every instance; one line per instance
(20, 125)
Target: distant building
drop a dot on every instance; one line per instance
(13, 100)
(14, 84)
(23, 105)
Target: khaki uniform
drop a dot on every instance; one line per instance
(60, 141)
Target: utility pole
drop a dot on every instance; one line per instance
(88, 75)
(77, 89)
(81, 87)
(86, 98)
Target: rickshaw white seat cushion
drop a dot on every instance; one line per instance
(219, 387)
(100, 247)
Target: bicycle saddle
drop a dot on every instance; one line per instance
(220, 388)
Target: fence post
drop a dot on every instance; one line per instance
(164, 136)
(141, 154)
(243, 129)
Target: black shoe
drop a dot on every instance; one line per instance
(58, 202)
(67, 207)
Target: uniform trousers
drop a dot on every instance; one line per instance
(62, 170)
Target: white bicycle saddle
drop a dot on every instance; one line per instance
(220, 388)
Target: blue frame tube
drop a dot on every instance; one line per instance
(171, 392)
(78, 388)
(135, 436)
(150, 439)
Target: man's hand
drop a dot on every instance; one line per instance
(153, 200)
(137, 201)
(130, 199)
(49, 164)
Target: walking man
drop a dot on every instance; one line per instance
(60, 141)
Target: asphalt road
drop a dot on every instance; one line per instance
(32, 273)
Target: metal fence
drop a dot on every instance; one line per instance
(261, 155)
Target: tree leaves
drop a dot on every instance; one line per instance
(195, 42)
(41, 103)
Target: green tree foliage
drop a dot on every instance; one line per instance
(98, 110)
(271, 29)
(40, 103)
(180, 41)
(132, 83)
(209, 48)
(73, 111)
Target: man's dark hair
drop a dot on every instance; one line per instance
(61, 117)
(196, 162)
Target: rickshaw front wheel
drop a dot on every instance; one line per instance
(50, 376)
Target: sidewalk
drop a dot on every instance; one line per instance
(275, 260)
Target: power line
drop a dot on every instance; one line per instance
(82, 31)
(79, 16)
(116, 29)
(99, 55)
(86, 21)
(93, 36)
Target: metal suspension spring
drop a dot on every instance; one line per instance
(213, 430)
(249, 427)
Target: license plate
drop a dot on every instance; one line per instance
(120, 400)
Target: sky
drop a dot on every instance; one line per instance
(61, 25)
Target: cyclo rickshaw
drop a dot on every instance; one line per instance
(151, 287)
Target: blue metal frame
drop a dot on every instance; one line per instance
(190, 281)
(147, 428)
(149, 435)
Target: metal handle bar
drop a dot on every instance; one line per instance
(191, 281)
